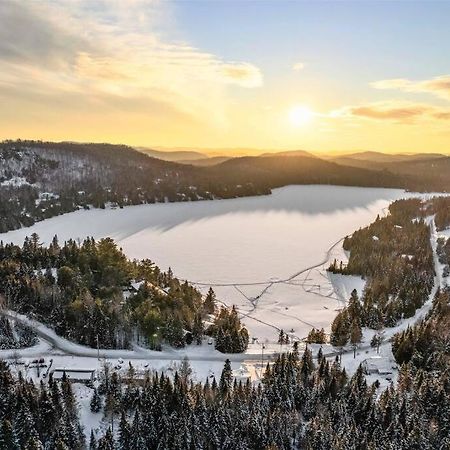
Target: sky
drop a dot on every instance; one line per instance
(323, 76)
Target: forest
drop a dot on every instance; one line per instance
(39, 180)
(302, 402)
(92, 294)
(395, 257)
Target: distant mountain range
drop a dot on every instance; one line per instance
(39, 180)
(208, 157)
(174, 155)
(211, 157)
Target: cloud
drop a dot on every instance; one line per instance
(113, 49)
(244, 74)
(438, 86)
(26, 37)
(298, 66)
(394, 111)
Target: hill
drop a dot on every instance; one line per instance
(290, 153)
(173, 155)
(205, 162)
(276, 171)
(425, 171)
(39, 180)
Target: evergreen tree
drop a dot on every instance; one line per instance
(198, 329)
(92, 441)
(226, 379)
(209, 305)
(8, 438)
(96, 402)
(340, 329)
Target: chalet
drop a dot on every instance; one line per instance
(75, 375)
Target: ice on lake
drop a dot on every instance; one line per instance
(246, 248)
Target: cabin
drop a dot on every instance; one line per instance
(75, 375)
(377, 365)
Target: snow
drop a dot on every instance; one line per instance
(53, 271)
(268, 255)
(136, 286)
(89, 420)
(366, 352)
(344, 285)
(206, 362)
(15, 182)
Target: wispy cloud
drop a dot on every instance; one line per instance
(104, 51)
(244, 74)
(394, 111)
(438, 86)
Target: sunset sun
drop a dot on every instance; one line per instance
(300, 115)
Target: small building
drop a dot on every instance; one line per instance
(75, 375)
(377, 365)
(242, 374)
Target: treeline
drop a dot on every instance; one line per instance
(426, 345)
(39, 180)
(14, 335)
(301, 403)
(37, 417)
(443, 251)
(395, 257)
(92, 294)
(441, 207)
(95, 175)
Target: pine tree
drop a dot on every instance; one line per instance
(106, 442)
(226, 379)
(96, 402)
(124, 434)
(34, 443)
(92, 441)
(185, 370)
(340, 329)
(209, 305)
(8, 438)
(198, 329)
(355, 335)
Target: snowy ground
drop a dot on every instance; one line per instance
(297, 302)
(266, 254)
(269, 235)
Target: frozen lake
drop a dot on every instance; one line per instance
(241, 246)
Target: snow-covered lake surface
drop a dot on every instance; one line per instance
(265, 254)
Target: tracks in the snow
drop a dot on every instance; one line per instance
(254, 300)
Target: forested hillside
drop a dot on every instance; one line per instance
(277, 171)
(420, 172)
(92, 295)
(39, 180)
(395, 257)
(301, 403)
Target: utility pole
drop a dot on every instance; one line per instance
(98, 349)
(262, 359)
